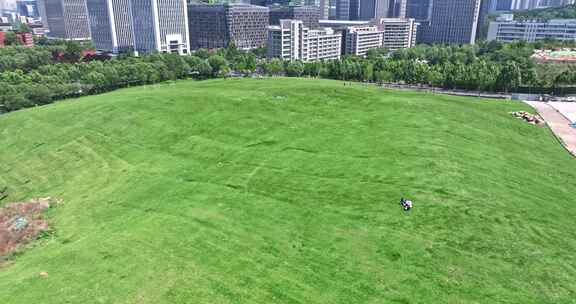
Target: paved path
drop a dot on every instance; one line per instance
(568, 109)
(559, 124)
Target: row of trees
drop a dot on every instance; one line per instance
(40, 75)
(487, 66)
(44, 84)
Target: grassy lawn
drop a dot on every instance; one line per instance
(286, 191)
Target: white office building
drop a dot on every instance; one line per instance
(66, 19)
(359, 39)
(291, 40)
(398, 33)
(505, 29)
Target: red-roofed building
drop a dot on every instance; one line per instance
(2, 37)
(26, 39)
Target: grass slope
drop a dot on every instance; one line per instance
(285, 191)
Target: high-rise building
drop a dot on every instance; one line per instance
(503, 5)
(343, 9)
(525, 4)
(375, 9)
(216, 26)
(27, 8)
(66, 19)
(277, 2)
(343, 24)
(258, 2)
(142, 26)
(451, 21)
(111, 25)
(418, 9)
(324, 6)
(400, 8)
(486, 6)
(160, 25)
(492, 5)
(309, 15)
(291, 40)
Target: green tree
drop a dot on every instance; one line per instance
(510, 76)
(219, 65)
(23, 28)
(202, 53)
(295, 68)
(204, 69)
(11, 39)
(72, 51)
(367, 71)
(273, 67)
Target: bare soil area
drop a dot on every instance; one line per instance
(21, 222)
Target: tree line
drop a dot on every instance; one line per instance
(558, 12)
(43, 74)
(487, 66)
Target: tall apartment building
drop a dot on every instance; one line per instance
(505, 29)
(359, 39)
(291, 40)
(398, 33)
(142, 26)
(451, 21)
(66, 19)
(216, 26)
(309, 15)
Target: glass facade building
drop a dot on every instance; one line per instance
(141, 26)
(66, 19)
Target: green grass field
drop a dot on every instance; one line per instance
(286, 191)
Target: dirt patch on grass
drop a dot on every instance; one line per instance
(20, 223)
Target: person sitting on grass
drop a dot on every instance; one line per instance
(406, 204)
